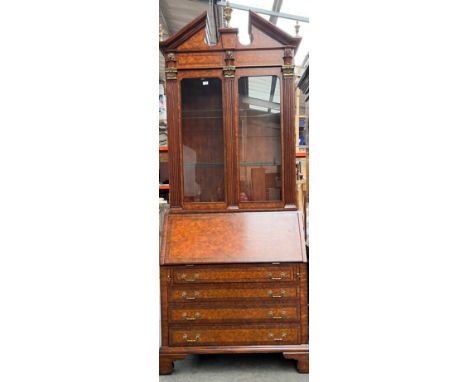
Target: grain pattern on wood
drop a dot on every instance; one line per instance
(250, 237)
(227, 335)
(229, 292)
(273, 314)
(174, 140)
(231, 142)
(289, 137)
(240, 274)
(164, 281)
(304, 302)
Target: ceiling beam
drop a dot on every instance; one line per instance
(274, 19)
(266, 12)
(276, 8)
(162, 19)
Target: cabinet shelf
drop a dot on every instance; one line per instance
(204, 164)
(264, 164)
(216, 164)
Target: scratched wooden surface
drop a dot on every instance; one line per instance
(248, 237)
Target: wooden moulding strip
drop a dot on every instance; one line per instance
(234, 349)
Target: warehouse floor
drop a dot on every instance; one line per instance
(235, 368)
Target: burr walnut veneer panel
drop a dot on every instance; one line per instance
(236, 335)
(244, 237)
(221, 314)
(230, 292)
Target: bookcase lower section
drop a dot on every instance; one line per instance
(168, 355)
(234, 308)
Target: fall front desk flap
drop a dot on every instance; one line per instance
(238, 237)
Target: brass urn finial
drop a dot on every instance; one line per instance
(227, 14)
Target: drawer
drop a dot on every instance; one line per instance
(234, 336)
(244, 314)
(198, 293)
(233, 274)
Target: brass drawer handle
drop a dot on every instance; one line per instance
(186, 297)
(282, 276)
(196, 276)
(272, 337)
(195, 317)
(280, 317)
(282, 294)
(186, 339)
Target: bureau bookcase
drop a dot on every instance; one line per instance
(233, 264)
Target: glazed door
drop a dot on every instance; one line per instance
(202, 142)
(259, 139)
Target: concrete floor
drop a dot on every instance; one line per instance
(235, 368)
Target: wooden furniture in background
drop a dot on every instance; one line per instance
(233, 261)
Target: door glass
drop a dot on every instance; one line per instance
(260, 138)
(202, 140)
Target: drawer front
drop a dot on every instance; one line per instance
(264, 314)
(191, 275)
(273, 293)
(234, 336)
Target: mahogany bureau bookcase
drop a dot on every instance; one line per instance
(233, 264)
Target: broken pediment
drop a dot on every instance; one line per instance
(262, 34)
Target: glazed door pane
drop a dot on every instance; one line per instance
(260, 138)
(202, 140)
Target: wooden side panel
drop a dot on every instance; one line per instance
(164, 281)
(304, 302)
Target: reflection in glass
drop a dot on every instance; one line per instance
(260, 138)
(202, 140)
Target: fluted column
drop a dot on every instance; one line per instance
(289, 136)
(173, 132)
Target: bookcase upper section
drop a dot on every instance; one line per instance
(231, 110)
